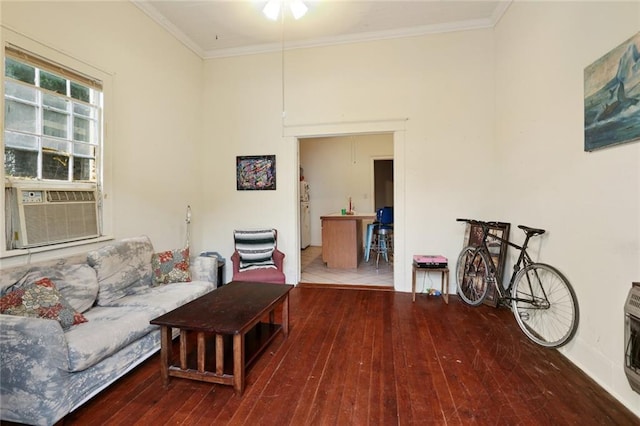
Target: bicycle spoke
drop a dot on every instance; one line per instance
(471, 275)
(544, 305)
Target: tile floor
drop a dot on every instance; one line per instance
(315, 271)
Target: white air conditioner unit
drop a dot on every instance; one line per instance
(50, 216)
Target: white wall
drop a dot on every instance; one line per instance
(444, 101)
(153, 107)
(588, 202)
(338, 168)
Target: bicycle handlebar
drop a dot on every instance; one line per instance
(480, 222)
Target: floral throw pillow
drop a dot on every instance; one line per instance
(41, 300)
(171, 266)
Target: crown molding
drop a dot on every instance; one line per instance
(349, 39)
(322, 41)
(156, 16)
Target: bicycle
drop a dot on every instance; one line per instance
(541, 298)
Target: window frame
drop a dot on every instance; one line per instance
(65, 66)
(50, 101)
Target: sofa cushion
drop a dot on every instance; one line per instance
(12, 274)
(122, 268)
(110, 328)
(78, 284)
(40, 299)
(166, 297)
(265, 275)
(171, 266)
(255, 248)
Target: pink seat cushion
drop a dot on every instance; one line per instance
(267, 275)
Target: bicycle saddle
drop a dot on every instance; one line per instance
(531, 231)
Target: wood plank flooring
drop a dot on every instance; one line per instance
(362, 357)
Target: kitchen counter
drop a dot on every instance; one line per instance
(342, 246)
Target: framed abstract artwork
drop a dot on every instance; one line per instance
(612, 97)
(256, 172)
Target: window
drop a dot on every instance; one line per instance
(52, 121)
(52, 143)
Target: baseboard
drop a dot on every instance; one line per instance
(346, 286)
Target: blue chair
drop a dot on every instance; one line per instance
(380, 235)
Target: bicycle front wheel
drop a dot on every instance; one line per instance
(472, 272)
(545, 305)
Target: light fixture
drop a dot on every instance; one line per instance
(272, 8)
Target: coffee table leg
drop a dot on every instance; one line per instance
(201, 352)
(285, 316)
(183, 349)
(165, 353)
(219, 355)
(238, 363)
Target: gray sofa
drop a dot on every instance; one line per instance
(46, 370)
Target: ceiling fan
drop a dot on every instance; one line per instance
(273, 8)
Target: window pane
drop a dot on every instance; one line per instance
(19, 71)
(81, 109)
(20, 140)
(55, 166)
(83, 169)
(56, 145)
(80, 92)
(20, 163)
(53, 82)
(84, 150)
(81, 129)
(54, 124)
(57, 102)
(19, 116)
(19, 91)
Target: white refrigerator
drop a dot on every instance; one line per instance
(305, 218)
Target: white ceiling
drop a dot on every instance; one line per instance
(216, 28)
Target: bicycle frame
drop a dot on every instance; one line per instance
(523, 259)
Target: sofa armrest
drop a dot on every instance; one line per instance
(34, 364)
(204, 269)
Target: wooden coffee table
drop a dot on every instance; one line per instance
(228, 323)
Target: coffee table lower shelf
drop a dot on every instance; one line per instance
(233, 354)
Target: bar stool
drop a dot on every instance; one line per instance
(384, 217)
(382, 242)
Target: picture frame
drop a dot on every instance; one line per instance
(497, 248)
(611, 97)
(255, 172)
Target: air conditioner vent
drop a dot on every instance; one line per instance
(66, 196)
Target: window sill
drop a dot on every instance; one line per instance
(7, 254)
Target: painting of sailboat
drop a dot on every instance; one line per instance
(612, 97)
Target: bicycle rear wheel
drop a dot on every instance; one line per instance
(545, 305)
(472, 271)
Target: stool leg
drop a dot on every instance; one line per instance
(367, 250)
(385, 250)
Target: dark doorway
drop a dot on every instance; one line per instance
(383, 183)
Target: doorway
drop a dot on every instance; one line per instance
(342, 169)
(382, 183)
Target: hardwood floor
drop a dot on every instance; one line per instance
(358, 357)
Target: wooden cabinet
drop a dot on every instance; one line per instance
(342, 246)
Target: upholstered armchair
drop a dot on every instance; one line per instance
(256, 256)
